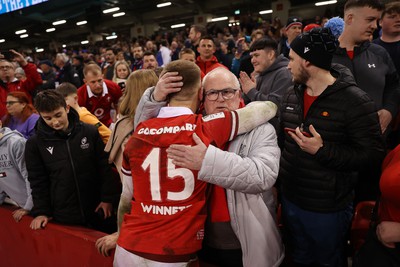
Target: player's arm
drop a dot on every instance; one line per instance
(255, 114)
(154, 98)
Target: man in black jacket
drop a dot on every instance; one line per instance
(332, 131)
(373, 71)
(67, 167)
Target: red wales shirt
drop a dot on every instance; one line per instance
(100, 106)
(168, 207)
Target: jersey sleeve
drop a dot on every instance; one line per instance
(222, 127)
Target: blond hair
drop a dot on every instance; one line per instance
(137, 82)
(121, 62)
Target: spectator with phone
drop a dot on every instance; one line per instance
(10, 83)
(242, 60)
(318, 173)
(242, 51)
(121, 73)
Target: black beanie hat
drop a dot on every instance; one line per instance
(316, 46)
(293, 21)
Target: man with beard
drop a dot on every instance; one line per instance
(331, 130)
(137, 63)
(196, 32)
(149, 61)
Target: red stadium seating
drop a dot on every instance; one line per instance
(360, 223)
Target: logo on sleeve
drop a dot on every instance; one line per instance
(84, 143)
(214, 116)
(50, 149)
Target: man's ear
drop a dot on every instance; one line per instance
(306, 63)
(67, 108)
(201, 95)
(348, 18)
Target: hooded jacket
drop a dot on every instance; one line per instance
(273, 82)
(69, 173)
(13, 174)
(347, 121)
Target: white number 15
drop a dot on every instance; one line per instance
(153, 161)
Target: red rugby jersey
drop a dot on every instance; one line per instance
(168, 206)
(100, 106)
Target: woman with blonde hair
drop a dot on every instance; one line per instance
(21, 115)
(136, 84)
(121, 73)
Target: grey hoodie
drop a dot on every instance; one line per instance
(13, 174)
(273, 82)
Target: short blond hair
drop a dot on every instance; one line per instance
(92, 68)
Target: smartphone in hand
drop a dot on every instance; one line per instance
(287, 130)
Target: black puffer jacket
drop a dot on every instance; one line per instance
(69, 174)
(347, 121)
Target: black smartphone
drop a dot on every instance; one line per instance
(121, 85)
(240, 47)
(7, 55)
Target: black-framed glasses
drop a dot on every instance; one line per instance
(10, 103)
(226, 94)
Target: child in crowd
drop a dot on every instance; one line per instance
(67, 167)
(187, 54)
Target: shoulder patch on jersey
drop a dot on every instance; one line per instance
(214, 116)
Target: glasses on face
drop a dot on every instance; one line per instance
(6, 67)
(10, 103)
(226, 94)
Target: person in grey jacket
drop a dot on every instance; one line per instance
(273, 76)
(13, 174)
(251, 237)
